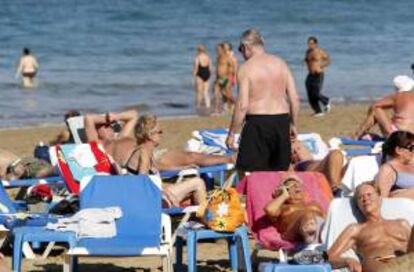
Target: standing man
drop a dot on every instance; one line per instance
(316, 60)
(222, 85)
(267, 104)
(28, 67)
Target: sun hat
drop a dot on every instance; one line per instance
(403, 83)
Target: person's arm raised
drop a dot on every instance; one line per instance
(273, 208)
(129, 118)
(345, 241)
(91, 121)
(241, 107)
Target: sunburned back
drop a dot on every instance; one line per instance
(29, 64)
(268, 85)
(121, 150)
(203, 59)
(404, 111)
(383, 238)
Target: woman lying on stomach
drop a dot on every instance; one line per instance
(396, 174)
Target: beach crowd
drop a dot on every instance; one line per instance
(265, 114)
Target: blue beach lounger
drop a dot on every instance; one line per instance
(139, 230)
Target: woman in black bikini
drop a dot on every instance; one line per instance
(201, 76)
(142, 160)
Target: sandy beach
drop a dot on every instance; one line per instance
(341, 121)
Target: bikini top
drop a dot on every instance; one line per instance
(403, 180)
(133, 171)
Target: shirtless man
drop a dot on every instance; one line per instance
(295, 220)
(316, 60)
(222, 85)
(267, 104)
(99, 128)
(27, 68)
(376, 239)
(401, 102)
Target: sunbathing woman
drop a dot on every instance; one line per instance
(396, 175)
(332, 166)
(295, 220)
(141, 160)
(99, 128)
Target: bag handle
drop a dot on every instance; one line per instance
(227, 184)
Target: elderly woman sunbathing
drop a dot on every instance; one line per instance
(295, 220)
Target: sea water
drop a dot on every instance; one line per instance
(102, 55)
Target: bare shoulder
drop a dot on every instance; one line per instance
(354, 229)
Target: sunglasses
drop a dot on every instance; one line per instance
(241, 48)
(410, 148)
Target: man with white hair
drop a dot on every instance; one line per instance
(402, 104)
(267, 106)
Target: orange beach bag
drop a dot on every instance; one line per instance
(223, 210)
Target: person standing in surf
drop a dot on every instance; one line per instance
(27, 68)
(201, 76)
(316, 60)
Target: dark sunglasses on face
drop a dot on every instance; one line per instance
(241, 48)
(410, 148)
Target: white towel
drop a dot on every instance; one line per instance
(359, 170)
(90, 223)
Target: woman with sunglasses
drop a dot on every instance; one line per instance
(396, 174)
(143, 160)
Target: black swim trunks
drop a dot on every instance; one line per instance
(265, 143)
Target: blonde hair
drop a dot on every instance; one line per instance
(201, 48)
(144, 127)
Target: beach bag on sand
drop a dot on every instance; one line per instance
(222, 210)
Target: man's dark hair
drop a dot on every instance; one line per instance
(26, 51)
(71, 113)
(313, 38)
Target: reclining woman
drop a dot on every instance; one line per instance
(142, 160)
(395, 177)
(296, 220)
(99, 128)
(332, 166)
